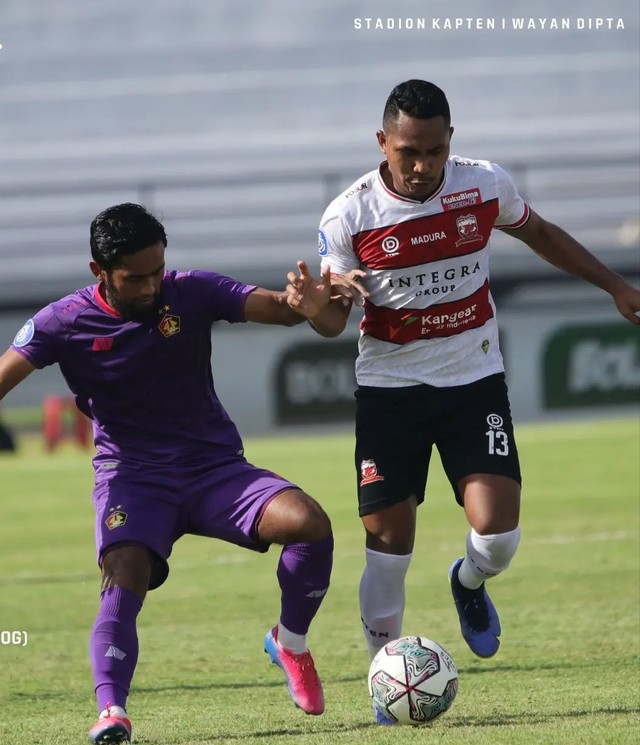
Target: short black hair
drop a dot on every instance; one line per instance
(122, 230)
(418, 99)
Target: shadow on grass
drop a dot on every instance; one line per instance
(508, 720)
(335, 679)
(257, 684)
(285, 732)
(533, 667)
(277, 683)
(505, 720)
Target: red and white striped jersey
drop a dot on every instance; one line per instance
(429, 317)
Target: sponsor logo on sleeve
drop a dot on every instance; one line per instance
(323, 248)
(24, 336)
(356, 189)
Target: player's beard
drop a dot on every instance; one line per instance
(132, 310)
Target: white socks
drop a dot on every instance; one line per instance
(296, 643)
(487, 555)
(382, 598)
(382, 595)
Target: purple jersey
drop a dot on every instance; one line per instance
(148, 387)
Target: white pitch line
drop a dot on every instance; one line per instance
(548, 432)
(563, 540)
(567, 540)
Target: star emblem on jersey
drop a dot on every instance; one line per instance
(369, 472)
(169, 325)
(116, 519)
(467, 229)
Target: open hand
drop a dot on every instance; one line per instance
(347, 288)
(305, 294)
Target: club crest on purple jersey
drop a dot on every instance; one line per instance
(116, 519)
(169, 325)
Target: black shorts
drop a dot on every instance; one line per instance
(396, 428)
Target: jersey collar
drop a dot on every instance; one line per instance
(102, 303)
(393, 195)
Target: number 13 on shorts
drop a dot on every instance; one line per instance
(498, 438)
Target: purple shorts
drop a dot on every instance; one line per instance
(156, 507)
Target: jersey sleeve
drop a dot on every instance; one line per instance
(219, 297)
(514, 211)
(335, 245)
(42, 338)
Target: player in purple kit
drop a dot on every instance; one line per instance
(135, 350)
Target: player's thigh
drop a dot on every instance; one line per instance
(292, 516)
(393, 449)
(477, 439)
(234, 500)
(392, 530)
(135, 508)
(491, 502)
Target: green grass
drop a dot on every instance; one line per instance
(567, 671)
(22, 417)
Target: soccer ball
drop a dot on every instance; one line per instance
(413, 680)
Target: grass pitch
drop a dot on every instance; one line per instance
(567, 671)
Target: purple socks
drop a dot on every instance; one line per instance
(114, 646)
(303, 573)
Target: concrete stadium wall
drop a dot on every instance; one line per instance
(569, 355)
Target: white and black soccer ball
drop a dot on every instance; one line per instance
(413, 680)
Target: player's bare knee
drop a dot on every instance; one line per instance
(494, 524)
(392, 530)
(127, 566)
(387, 542)
(314, 521)
(293, 517)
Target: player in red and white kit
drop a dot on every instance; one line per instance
(415, 234)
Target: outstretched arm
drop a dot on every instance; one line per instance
(322, 303)
(558, 248)
(269, 306)
(14, 368)
(305, 298)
